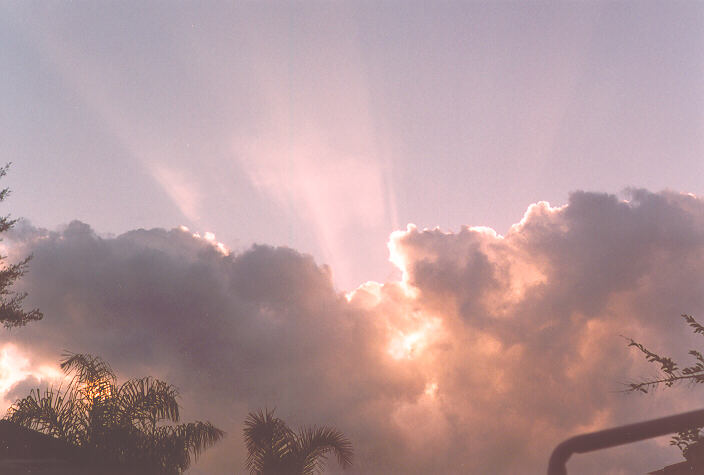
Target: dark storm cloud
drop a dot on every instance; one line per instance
(235, 333)
(492, 350)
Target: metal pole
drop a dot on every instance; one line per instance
(621, 435)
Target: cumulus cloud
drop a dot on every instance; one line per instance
(490, 351)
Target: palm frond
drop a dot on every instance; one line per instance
(51, 412)
(90, 372)
(198, 436)
(116, 424)
(274, 448)
(314, 443)
(147, 401)
(269, 442)
(173, 447)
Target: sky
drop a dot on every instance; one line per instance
(438, 216)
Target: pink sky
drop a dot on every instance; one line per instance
(328, 126)
(420, 170)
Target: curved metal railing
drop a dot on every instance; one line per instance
(621, 435)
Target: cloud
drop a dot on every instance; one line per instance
(490, 351)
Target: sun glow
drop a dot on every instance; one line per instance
(99, 390)
(208, 237)
(368, 294)
(399, 259)
(50, 372)
(15, 367)
(431, 389)
(410, 344)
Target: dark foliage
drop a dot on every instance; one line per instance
(273, 448)
(690, 442)
(11, 312)
(125, 425)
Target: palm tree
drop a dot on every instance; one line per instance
(123, 424)
(274, 448)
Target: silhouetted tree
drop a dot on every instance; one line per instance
(115, 424)
(690, 442)
(11, 312)
(273, 448)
